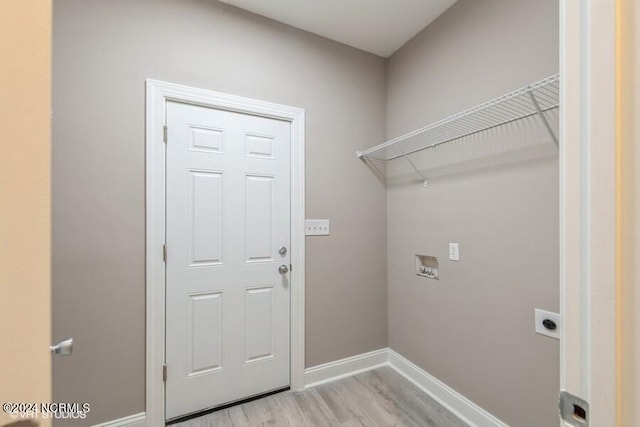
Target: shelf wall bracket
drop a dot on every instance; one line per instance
(543, 118)
(415, 168)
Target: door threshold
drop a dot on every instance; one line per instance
(224, 406)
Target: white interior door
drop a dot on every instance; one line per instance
(228, 216)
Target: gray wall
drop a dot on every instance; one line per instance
(103, 52)
(497, 195)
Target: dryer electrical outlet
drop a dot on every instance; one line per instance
(547, 323)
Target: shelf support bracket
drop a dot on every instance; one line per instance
(543, 118)
(422, 177)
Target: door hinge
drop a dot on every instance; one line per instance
(164, 372)
(164, 253)
(164, 133)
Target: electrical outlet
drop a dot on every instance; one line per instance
(317, 227)
(454, 251)
(547, 323)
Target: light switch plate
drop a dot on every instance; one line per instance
(541, 316)
(317, 227)
(454, 251)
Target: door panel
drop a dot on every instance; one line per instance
(259, 217)
(228, 213)
(259, 303)
(205, 333)
(205, 207)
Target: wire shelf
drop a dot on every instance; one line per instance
(531, 100)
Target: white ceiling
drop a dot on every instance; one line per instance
(377, 26)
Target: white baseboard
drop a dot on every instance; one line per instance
(135, 420)
(459, 405)
(345, 367)
(456, 403)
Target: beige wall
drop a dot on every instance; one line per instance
(630, 197)
(496, 195)
(25, 203)
(103, 52)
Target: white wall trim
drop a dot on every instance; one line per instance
(346, 367)
(135, 420)
(589, 228)
(457, 404)
(157, 95)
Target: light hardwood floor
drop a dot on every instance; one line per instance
(377, 398)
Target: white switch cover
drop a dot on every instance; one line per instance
(454, 251)
(317, 227)
(541, 329)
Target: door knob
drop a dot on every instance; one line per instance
(63, 348)
(283, 269)
(283, 250)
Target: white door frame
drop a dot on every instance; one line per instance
(158, 94)
(590, 289)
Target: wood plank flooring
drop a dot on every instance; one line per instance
(377, 398)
